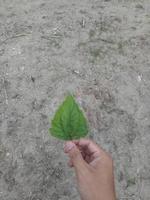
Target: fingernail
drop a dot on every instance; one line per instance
(69, 146)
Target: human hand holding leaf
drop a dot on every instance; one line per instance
(69, 121)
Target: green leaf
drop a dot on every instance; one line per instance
(69, 121)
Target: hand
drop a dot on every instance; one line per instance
(93, 168)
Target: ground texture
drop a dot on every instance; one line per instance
(99, 50)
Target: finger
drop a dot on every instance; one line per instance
(75, 156)
(91, 148)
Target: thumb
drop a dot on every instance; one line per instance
(75, 156)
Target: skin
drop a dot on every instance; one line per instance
(94, 169)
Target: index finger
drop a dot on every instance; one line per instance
(90, 147)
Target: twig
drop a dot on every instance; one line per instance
(13, 37)
(51, 37)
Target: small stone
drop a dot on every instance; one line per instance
(7, 154)
(139, 78)
(32, 79)
(82, 23)
(76, 71)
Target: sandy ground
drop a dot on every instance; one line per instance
(99, 50)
